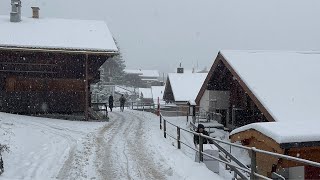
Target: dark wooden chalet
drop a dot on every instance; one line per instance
(47, 65)
(224, 92)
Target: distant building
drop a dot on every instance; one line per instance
(148, 77)
(47, 65)
(157, 93)
(182, 87)
(145, 95)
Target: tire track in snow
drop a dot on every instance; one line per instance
(123, 154)
(109, 145)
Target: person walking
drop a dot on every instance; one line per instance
(204, 132)
(122, 102)
(111, 102)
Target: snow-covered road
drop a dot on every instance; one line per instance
(129, 146)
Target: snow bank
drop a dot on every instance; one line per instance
(39, 146)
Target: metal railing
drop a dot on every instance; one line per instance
(239, 168)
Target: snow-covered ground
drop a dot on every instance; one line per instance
(181, 121)
(129, 146)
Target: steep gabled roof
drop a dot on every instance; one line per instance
(284, 85)
(185, 86)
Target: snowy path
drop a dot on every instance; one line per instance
(121, 151)
(130, 146)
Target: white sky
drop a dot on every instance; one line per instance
(159, 34)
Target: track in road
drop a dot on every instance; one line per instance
(121, 150)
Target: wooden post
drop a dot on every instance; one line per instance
(178, 137)
(253, 163)
(160, 122)
(132, 105)
(188, 114)
(200, 148)
(164, 129)
(86, 84)
(106, 110)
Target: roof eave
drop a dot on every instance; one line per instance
(299, 144)
(60, 50)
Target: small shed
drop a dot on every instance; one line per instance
(297, 139)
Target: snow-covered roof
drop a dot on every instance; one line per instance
(286, 83)
(68, 34)
(143, 73)
(146, 92)
(186, 86)
(124, 90)
(283, 132)
(157, 91)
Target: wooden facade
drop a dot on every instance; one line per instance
(47, 81)
(244, 108)
(267, 164)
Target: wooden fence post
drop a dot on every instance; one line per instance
(200, 148)
(164, 128)
(178, 137)
(160, 122)
(253, 163)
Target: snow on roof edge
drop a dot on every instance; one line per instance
(246, 84)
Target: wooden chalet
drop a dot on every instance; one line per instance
(182, 87)
(270, 99)
(47, 65)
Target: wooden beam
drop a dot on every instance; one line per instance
(86, 81)
(110, 53)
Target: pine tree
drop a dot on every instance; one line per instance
(113, 69)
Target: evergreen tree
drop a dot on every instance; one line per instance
(113, 69)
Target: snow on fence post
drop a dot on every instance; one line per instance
(253, 163)
(200, 148)
(160, 121)
(164, 128)
(178, 137)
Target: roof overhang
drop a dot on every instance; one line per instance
(57, 50)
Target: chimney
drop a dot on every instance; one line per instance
(35, 12)
(15, 14)
(180, 69)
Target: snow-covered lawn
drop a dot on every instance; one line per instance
(129, 146)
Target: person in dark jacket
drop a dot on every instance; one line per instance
(111, 102)
(122, 101)
(201, 129)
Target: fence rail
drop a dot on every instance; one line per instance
(239, 168)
